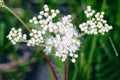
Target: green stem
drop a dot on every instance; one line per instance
(80, 35)
(22, 22)
(75, 72)
(116, 53)
(111, 42)
(46, 45)
(91, 54)
(43, 45)
(103, 5)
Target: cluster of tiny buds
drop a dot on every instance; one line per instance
(95, 24)
(1, 3)
(73, 55)
(89, 12)
(16, 36)
(45, 18)
(36, 38)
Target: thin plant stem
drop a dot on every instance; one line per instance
(91, 54)
(116, 53)
(103, 5)
(22, 22)
(48, 61)
(66, 70)
(80, 35)
(111, 42)
(46, 45)
(41, 48)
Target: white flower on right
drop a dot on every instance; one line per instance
(95, 24)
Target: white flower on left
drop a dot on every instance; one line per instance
(16, 36)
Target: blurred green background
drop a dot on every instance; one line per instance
(97, 59)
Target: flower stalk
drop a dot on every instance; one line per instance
(113, 46)
(22, 22)
(66, 70)
(48, 61)
(80, 35)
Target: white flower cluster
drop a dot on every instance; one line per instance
(96, 24)
(45, 19)
(63, 34)
(16, 36)
(64, 41)
(89, 12)
(36, 38)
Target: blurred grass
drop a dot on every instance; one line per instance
(2, 34)
(97, 59)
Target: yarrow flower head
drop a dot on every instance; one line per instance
(64, 41)
(1, 3)
(62, 33)
(16, 36)
(95, 24)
